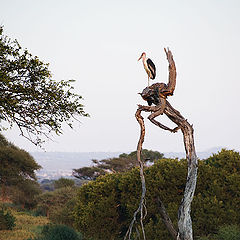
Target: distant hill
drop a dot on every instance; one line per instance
(57, 164)
(201, 155)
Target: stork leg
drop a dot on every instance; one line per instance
(148, 81)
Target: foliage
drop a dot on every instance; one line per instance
(108, 203)
(64, 214)
(16, 166)
(123, 163)
(58, 232)
(231, 232)
(25, 193)
(217, 193)
(27, 226)
(58, 205)
(47, 185)
(104, 207)
(226, 232)
(7, 220)
(63, 182)
(30, 98)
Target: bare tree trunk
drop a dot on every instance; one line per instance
(184, 218)
(166, 219)
(157, 94)
(141, 207)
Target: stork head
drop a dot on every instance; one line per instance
(142, 55)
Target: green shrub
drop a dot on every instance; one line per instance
(230, 232)
(108, 203)
(55, 205)
(59, 232)
(7, 220)
(204, 238)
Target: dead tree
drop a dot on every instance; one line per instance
(156, 95)
(141, 208)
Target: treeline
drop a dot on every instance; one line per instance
(17, 174)
(108, 203)
(102, 208)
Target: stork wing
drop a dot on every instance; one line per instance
(152, 68)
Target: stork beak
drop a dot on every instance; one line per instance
(140, 57)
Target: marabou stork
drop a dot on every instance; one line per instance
(148, 66)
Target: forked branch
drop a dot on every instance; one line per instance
(184, 218)
(156, 94)
(141, 208)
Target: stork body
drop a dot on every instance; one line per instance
(148, 66)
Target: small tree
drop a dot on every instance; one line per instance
(108, 203)
(7, 220)
(16, 165)
(122, 163)
(53, 204)
(63, 182)
(25, 193)
(30, 98)
(58, 232)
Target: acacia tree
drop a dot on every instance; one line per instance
(63, 182)
(16, 166)
(104, 207)
(124, 162)
(30, 98)
(25, 193)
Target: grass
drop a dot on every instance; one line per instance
(27, 226)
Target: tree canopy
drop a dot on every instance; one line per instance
(58, 205)
(104, 207)
(16, 165)
(122, 163)
(30, 98)
(63, 182)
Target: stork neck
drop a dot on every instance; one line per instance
(144, 60)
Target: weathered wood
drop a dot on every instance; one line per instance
(141, 207)
(172, 74)
(166, 219)
(156, 94)
(184, 219)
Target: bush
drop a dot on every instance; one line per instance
(108, 203)
(204, 238)
(63, 182)
(7, 220)
(58, 205)
(59, 232)
(230, 232)
(226, 232)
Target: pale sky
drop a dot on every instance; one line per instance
(98, 42)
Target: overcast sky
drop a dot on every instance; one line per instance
(98, 42)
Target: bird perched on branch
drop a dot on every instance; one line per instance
(148, 66)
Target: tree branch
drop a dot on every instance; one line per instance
(184, 219)
(141, 206)
(157, 94)
(166, 219)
